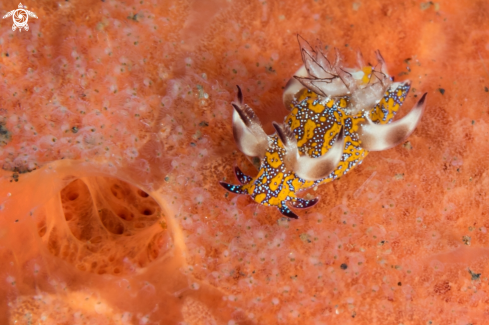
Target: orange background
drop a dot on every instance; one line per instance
(140, 91)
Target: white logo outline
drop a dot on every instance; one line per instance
(20, 17)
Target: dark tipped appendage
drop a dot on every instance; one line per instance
(240, 96)
(236, 189)
(304, 204)
(285, 134)
(422, 100)
(242, 177)
(242, 114)
(286, 212)
(280, 132)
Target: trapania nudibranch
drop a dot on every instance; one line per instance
(337, 115)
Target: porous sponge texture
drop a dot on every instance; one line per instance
(108, 226)
(136, 99)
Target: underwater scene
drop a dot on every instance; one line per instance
(244, 162)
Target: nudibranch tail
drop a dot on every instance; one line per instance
(287, 212)
(304, 204)
(377, 137)
(242, 177)
(236, 189)
(247, 130)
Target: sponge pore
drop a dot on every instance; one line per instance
(109, 226)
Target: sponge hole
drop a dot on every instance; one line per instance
(148, 211)
(116, 191)
(126, 215)
(73, 196)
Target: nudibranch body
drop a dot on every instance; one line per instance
(337, 115)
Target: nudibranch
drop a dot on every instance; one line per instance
(336, 116)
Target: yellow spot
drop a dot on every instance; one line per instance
(307, 184)
(289, 178)
(299, 185)
(264, 180)
(343, 103)
(296, 184)
(316, 109)
(314, 144)
(391, 102)
(391, 108)
(284, 193)
(303, 95)
(367, 74)
(273, 159)
(338, 118)
(322, 119)
(356, 124)
(250, 187)
(378, 115)
(275, 202)
(330, 103)
(260, 173)
(399, 93)
(308, 133)
(260, 197)
(334, 129)
(295, 123)
(276, 181)
(352, 150)
(280, 144)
